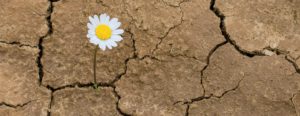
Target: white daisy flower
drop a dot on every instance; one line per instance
(104, 32)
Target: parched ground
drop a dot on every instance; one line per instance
(178, 58)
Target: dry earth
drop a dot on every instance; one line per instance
(178, 58)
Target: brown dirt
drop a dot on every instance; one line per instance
(178, 58)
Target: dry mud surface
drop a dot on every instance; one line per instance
(178, 58)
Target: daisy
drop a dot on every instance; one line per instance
(104, 32)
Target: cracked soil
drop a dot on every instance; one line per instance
(178, 58)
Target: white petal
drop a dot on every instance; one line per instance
(95, 40)
(91, 32)
(91, 35)
(108, 44)
(96, 19)
(116, 25)
(118, 31)
(116, 38)
(107, 19)
(112, 22)
(113, 43)
(90, 26)
(102, 46)
(104, 19)
(92, 20)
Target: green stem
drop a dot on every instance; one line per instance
(95, 65)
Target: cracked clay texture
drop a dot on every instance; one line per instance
(178, 58)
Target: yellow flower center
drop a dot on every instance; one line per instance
(103, 32)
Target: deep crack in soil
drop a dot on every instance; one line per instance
(19, 44)
(40, 43)
(228, 39)
(15, 106)
(226, 35)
